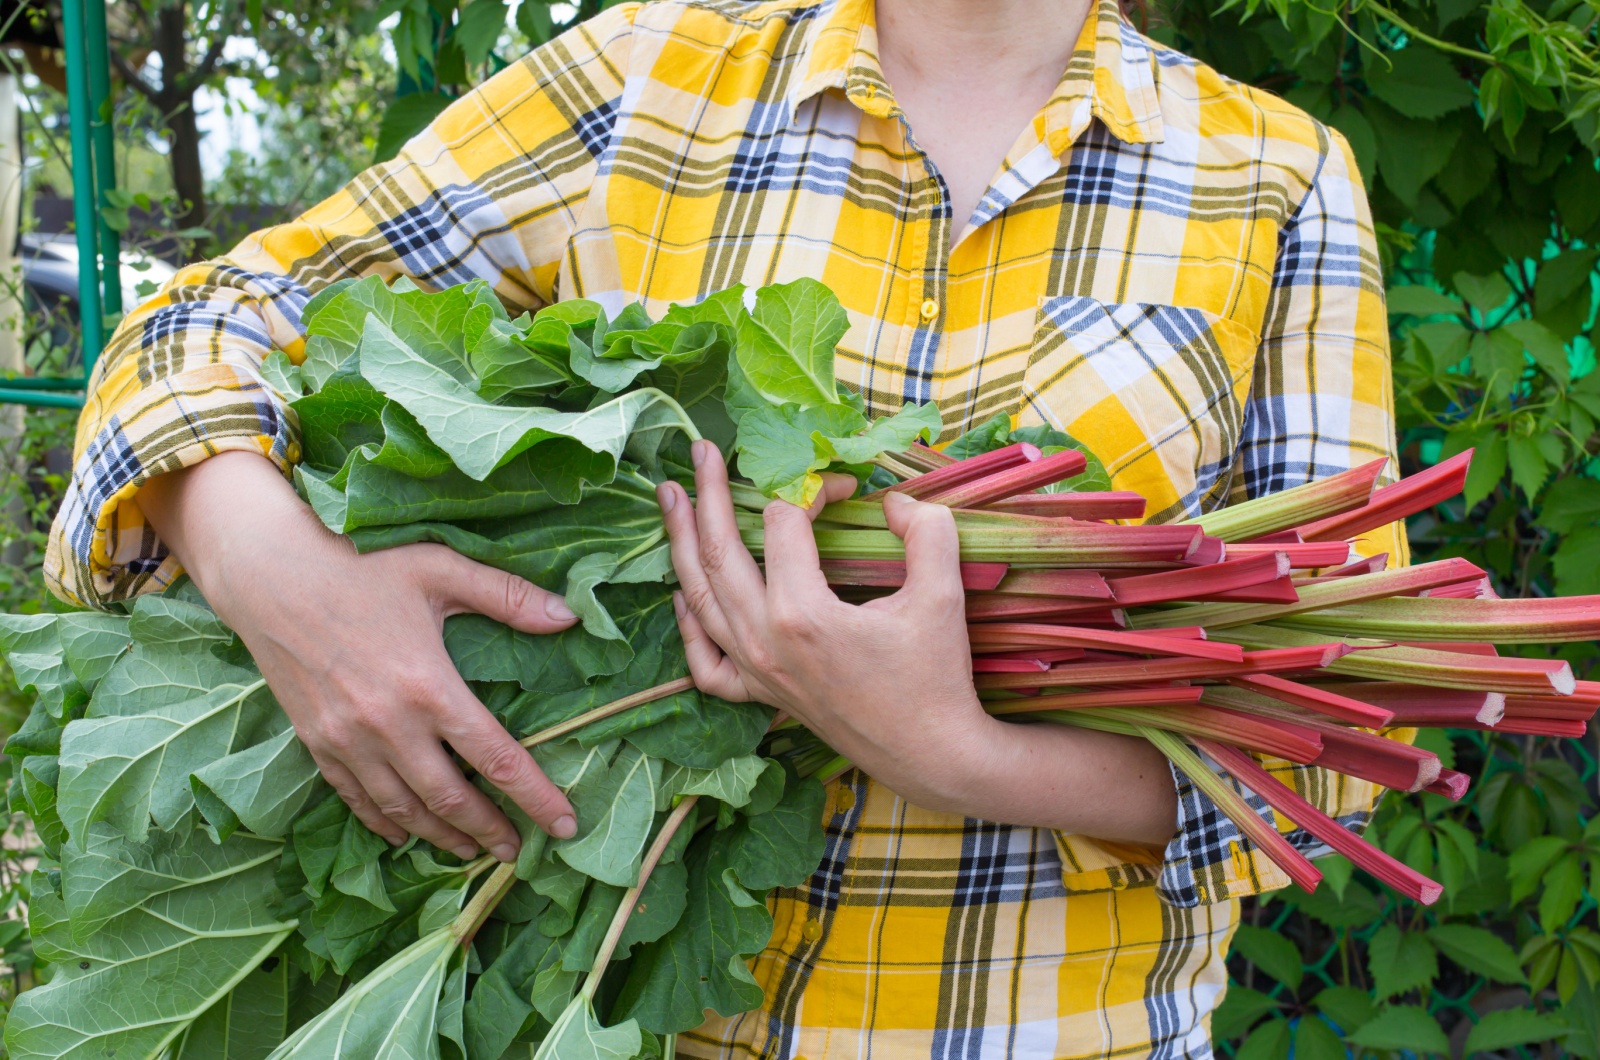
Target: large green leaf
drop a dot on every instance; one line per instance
(785, 349)
(391, 1014)
(479, 436)
(1418, 81)
(142, 977)
(577, 1035)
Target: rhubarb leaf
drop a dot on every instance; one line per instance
(481, 437)
(178, 951)
(781, 450)
(577, 1035)
(236, 1028)
(134, 767)
(390, 1012)
(785, 348)
(611, 842)
(263, 787)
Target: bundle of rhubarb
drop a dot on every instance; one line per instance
(1252, 630)
(195, 847)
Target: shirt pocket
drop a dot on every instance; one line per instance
(1157, 392)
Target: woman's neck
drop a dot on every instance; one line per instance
(971, 74)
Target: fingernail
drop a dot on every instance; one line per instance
(666, 496)
(678, 605)
(395, 842)
(504, 852)
(564, 827)
(697, 453)
(895, 498)
(557, 609)
(466, 851)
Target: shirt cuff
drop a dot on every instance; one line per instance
(101, 550)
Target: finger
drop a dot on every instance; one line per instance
(683, 536)
(933, 554)
(402, 806)
(711, 669)
(348, 788)
(464, 585)
(794, 571)
(834, 488)
(446, 794)
(729, 567)
(499, 759)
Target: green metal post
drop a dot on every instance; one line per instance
(105, 160)
(79, 116)
(40, 399)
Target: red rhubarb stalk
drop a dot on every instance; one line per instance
(1292, 805)
(1392, 503)
(1522, 621)
(1174, 695)
(1289, 508)
(1568, 729)
(962, 472)
(1020, 478)
(1451, 784)
(1112, 504)
(1320, 700)
(1367, 589)
(1262, 833)
(1105, 640)
(891, 573)
(1071, 584)
(1281, 591)
(1312, 554)
(1137, 671)
(1190, 582)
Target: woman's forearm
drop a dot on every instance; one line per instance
(1072, 780)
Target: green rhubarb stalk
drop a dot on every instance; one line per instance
(617, 706)
(1085, 545)
(630, 897)
(1294, 506)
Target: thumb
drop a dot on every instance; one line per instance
(463, 585)
(933, 552)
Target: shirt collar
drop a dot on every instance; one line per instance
(1113, 70)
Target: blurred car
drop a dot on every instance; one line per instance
(50, 286)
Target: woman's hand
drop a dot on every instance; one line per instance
(888, 683)
(352, 647)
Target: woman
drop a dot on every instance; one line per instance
(1027, 208)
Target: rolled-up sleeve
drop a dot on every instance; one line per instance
(490, 190)
(1322, 401)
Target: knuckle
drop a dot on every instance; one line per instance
(699, 597)
(518, 592)
(713, 553)
(504, 764)
(404, 811)
(449, 802)
(789, 622)
(417, 684)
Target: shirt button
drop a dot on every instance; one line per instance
(293, 452)
(930, 309)
(845, 801)
(812, 931)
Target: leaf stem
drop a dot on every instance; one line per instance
(630, 898)
(472, 917)
(1411, 31)
(617, 706)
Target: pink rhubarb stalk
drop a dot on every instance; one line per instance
(1047, 636)
(961, 472)
(891, 573)
(1392, 503)
(1190, 582)
(1320, 700)
(1289, 508)
(1071, 584)
(1292, 805)
(1020, 478)
(1112, 504)
(1143, 671)
(1173, 695)
(1451, 784)
(1266, 838)
(1522, 621)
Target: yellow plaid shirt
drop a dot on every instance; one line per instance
(1174, 268)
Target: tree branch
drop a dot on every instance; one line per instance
(131, 76)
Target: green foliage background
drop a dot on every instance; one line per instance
(1476, 126)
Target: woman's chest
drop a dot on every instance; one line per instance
(1103, 292)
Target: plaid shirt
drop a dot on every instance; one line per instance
(1177, 269)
